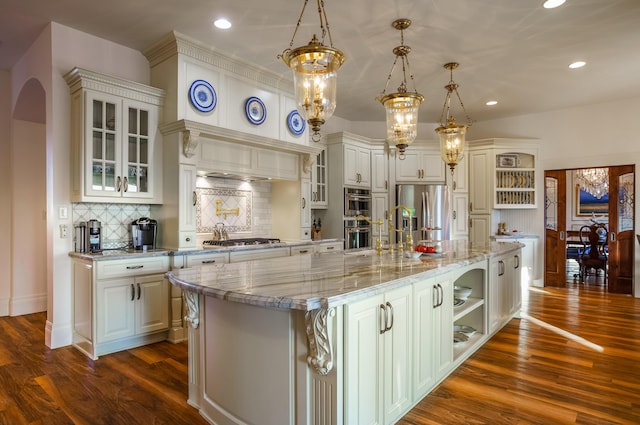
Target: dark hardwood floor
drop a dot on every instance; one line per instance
(574, 358)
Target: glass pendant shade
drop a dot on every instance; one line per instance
(452, 139)
(402, 118)
(315, 74)
(452, 135)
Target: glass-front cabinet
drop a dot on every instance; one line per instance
(319, 190)
(116, 155)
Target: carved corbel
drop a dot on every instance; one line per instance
(190, 142)
(191, 300)
(307, 162)
(319, 338)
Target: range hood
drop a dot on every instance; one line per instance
(230, 176)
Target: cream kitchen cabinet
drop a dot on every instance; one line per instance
(257, 254)
(317, 247)
(187, 204)
(379, 170)
(115, 144)
(378, 347)
(350, 155)
(420, 165)
(120, 303)
(131, 306)
(480, 181)
(433, 330)
(505, 290)
(319, 185)
(460, 216)
(379, 211)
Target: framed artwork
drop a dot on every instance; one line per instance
(587, 204)
(507, 161)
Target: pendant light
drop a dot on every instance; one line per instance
(452, 135)
(315, 73)
(401, 107)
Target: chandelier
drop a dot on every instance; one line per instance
(452, 135)
(594, 181)
(401, 107)
(315, 73)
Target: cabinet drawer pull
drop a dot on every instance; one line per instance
(194, 198)
(388, 328)
(119, 184)
(330, 248)
(133, 292)
(303, 251)
(207, 261)
(126, 184)
(135, 267)
(139, 290)
(383, 319)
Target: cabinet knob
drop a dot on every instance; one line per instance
(188, 239)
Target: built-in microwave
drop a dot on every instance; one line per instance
(357, 202)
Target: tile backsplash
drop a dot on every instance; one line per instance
(251, 199)
(115, 220)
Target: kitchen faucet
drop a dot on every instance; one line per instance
(393, 229)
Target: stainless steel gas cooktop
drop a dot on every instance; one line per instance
(240, 242)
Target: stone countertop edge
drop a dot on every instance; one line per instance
(497, 237)
(324, 280)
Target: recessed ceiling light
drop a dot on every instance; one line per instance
(491, 102)
(550, 4)
(577, 64)
(222, 23)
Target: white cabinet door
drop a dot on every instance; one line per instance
(397, 354)
(480, 182)
(420, 165)
(115, 311)
(479, 229)
(363, 362)
(460, 216)
(379, 171)
(424, 304)
(187, 200)
(152, 304)
(378, 358)
(443, 327)
(379, 210)
(305, 212)
(357, 166)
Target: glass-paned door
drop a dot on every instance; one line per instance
(104, 151)
(138, 150)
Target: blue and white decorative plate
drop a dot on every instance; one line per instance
(203, 96)
(255, 110)
(295, 123)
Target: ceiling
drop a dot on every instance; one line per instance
(512, 51)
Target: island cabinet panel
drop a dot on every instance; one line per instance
(378, 338)
(505, 290)
(433, 343)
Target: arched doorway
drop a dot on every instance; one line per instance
(27, 165)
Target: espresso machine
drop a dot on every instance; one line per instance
(144, 232)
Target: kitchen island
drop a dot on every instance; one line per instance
(336, 337)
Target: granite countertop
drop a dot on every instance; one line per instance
(118, 254)
(307, 282)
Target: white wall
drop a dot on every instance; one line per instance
(5, 191)
(56, 51)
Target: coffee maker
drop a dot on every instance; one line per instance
(94, 236)
(144, 233)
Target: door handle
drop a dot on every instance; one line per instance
(454, 214)
(390, 316)
(517, 266)
(133, 292)
(562, 235)
(126, 184)
(383, 319)
(119, 184)
(194, 198)
(139, 291)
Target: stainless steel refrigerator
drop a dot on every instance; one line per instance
(430, 207)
